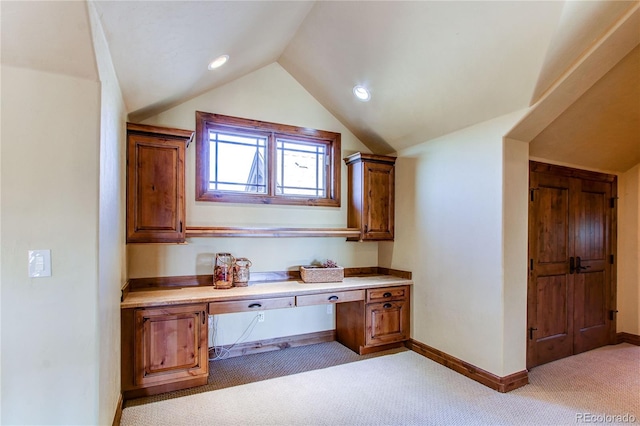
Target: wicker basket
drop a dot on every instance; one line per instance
(318, 274)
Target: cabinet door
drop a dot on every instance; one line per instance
(379, 201)
(170, 344)
(155, 189)
(387, 322)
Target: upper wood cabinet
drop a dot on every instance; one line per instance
(155, 184)
(371, 180)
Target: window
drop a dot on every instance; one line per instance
(248, 161)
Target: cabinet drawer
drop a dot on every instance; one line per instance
(333, 297)
(387, 293)
(251, 305)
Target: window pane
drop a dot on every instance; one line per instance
(237, 162)
(300, 168)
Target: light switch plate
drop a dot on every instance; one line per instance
(39, 263)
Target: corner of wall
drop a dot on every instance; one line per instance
(514, 250)
(111, 226)
(628, 267)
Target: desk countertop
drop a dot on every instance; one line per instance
(176, 296)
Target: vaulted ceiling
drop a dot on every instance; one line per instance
(433, 67)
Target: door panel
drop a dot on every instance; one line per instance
(378, 189)
(171, 344)
(594, 300)
(552, 308)
(553, 224)
(553, 338)
(591, 222)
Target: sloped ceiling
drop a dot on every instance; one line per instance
(48, 36)
(433, 67)
(581, 25)
(161, 49)
(612, 125)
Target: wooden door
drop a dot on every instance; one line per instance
(570, 290)
(171, 344)
(379, 201)
(155, 189)
(550, 311)
(387, 322)
(593, 306)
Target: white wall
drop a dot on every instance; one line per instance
(50, 178)
(269, 94)
(111, 231)
(452, 235)
(629, 251)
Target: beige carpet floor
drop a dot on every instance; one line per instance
(225, 373)
(600, 386)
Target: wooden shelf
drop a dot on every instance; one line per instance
(202, 231)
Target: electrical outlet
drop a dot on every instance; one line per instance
(261, 316)
(329, 309)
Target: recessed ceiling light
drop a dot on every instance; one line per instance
(361, 93)
(218, 62)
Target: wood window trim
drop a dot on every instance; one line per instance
(203, 122)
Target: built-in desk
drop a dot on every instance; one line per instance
(165, 332)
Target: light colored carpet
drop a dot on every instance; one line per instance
(408, 389)
(225, 373)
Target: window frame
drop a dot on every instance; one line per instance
(205, 121)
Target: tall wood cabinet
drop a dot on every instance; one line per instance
(371, 180)
(155, 183)
(164, 348)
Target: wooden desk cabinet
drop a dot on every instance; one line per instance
(164, 348)
(371, 185)
(380, 322)
(155, 184)
(165, 338)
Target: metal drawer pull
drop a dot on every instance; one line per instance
(333, 298)
(386, 305)
(255, 305)
(387, 294)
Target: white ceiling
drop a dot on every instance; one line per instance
(433, 67)
(605, 121)
(48, 36)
